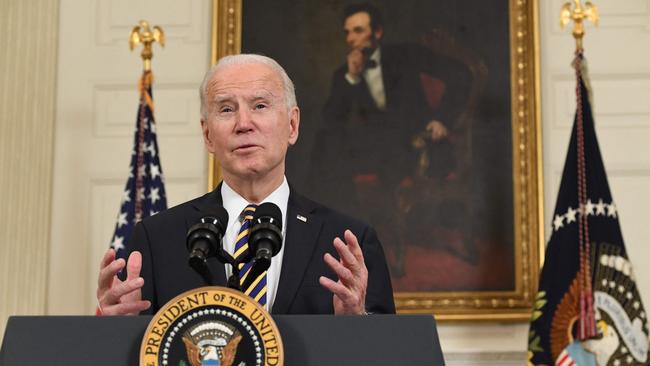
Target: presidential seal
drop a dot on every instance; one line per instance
(212, 326)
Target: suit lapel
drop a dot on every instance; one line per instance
(204, 205)
(303, 228)
(207, 201)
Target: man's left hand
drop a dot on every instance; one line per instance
(350, 290)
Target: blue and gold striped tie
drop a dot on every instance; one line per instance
(257, 289)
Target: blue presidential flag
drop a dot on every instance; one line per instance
(144, 194)
(588, 310)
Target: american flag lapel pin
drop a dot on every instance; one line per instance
(301, 218)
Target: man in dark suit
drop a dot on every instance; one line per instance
(378, 102)
(249, 119)
(387, 103)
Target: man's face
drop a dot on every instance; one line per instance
(249, 127)
(359, 34)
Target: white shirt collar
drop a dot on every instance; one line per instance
(235, 203)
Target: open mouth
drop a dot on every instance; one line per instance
(245, 148)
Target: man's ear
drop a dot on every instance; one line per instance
(379, 32)
(294, 125)
(206, 136)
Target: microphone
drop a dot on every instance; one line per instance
(265, 239)
(204, 240)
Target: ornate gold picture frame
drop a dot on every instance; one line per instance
(512, 300)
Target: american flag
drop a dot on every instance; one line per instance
(144, 194)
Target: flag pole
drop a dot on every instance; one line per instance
(578, 14)
(144, 194)
(145, 35)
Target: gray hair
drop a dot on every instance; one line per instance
(243, 59)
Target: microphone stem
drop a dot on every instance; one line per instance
(203, 270)
(234, 281)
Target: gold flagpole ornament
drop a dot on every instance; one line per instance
(143, 34)
(578, 14)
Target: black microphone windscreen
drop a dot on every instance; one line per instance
(219, 213)
(269, 210)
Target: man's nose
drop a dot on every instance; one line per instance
(244, 120)
(350, 39)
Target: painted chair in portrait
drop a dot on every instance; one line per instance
(438, 190)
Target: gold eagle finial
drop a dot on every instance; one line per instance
(142, 34)
(578, 14)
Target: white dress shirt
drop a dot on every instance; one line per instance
(235, 205)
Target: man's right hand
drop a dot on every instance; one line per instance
(117, 297)
(436, 130)
(356, 60)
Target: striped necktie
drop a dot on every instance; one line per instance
(257, 289)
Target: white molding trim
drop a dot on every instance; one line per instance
(485, 358)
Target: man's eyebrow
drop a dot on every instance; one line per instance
(220, 98)
(263, 94)
(257, 95)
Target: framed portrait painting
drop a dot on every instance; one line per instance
(422, 118)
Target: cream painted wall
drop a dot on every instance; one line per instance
(96, 101)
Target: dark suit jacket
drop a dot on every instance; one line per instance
(161, 240)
